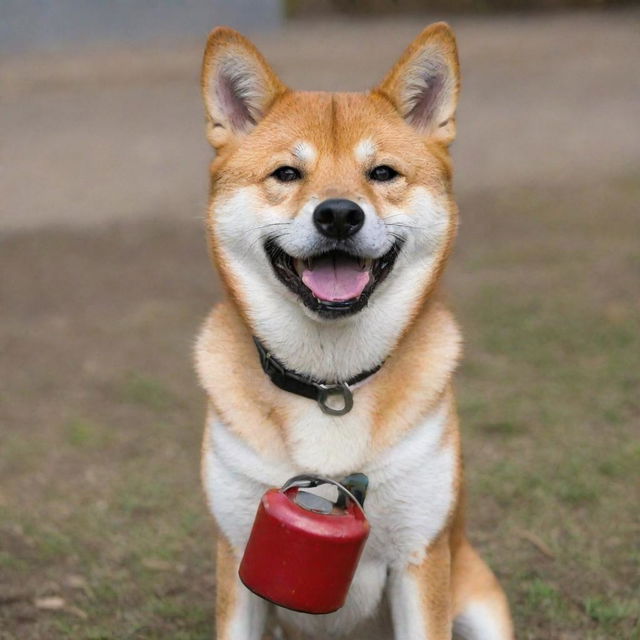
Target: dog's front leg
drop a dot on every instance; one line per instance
(420, 596)
(240, 615)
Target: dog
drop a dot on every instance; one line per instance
(330, 220)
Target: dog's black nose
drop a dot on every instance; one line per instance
(338, 218)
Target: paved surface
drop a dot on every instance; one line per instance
(112, 134)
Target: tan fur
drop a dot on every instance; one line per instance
(434, 576)
(226, 585)
(417, 375)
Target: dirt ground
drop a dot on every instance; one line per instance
(104, 280)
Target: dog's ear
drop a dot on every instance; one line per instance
(238, 85)
(424, 83)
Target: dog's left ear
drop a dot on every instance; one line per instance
(424, 83)
(238, 86)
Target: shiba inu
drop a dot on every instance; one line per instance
(330, 220)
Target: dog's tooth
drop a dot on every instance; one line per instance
(300, 265)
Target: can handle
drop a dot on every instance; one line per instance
(309, 481)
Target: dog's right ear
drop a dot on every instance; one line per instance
(238, 86)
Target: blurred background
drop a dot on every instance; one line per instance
(104, 279)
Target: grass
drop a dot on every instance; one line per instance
(146, 391)
(101, 420)
(550, 411)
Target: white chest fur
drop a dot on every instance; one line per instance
(411, 493)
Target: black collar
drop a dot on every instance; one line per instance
(308, 387)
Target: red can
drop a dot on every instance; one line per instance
(303, 549)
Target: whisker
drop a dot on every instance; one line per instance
(403, 225)
(397, 248)
(276, 236)
(271, 224)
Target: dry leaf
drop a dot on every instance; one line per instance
(155, 564)
(76, 611)
(76, 582)
(537, 542)
(50, 603)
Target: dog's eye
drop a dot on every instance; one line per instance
(286, 174)
(383, 173)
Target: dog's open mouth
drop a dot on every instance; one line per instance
(332, 284)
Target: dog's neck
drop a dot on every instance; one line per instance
(331, 350)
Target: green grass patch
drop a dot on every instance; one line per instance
(147, 391)
(84, 433)
(502, 428)
(541, 595)
(608, 612)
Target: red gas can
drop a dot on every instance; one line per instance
(304, 549)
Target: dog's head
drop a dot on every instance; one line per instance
(330, 203)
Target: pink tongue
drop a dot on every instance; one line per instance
(336, 279)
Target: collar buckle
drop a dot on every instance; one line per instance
(326, 391)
